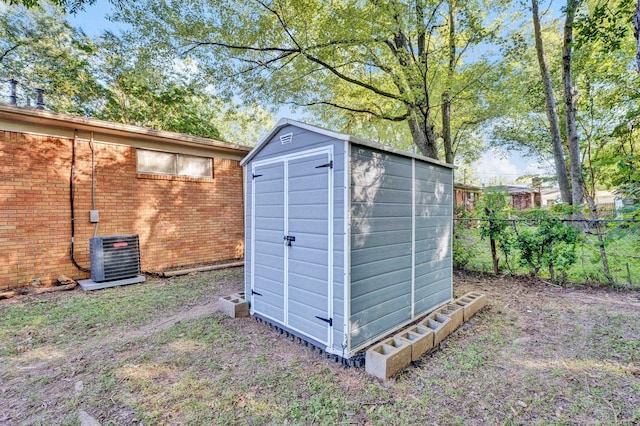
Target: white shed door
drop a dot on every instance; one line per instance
(308, 256)
(295, 246)
(268, 291)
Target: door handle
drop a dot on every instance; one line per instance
(327, 320)
(289, 239)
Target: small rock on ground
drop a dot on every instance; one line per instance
(87, 419)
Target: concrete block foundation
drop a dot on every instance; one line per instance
(234, 306)
(421, 340)
(471, 303)
(387, 358)
(454, 312)
(390, 356)
(441, 325)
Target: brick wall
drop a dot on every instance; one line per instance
(181, 221)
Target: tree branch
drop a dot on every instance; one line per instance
(352, 80)
(283, 24)
(197, 44)
(396, 118)
(6, 52)
(471, 82)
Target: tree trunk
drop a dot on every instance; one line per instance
(636, 33)
(552, 272)
(446, 128)
(446, 97)
(577, 181)
(556, 139)
(423, 136)
(494, 256)
(601, 242)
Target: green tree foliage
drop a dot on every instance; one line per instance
(549, 242)
(115, 78)
(140, 91)
(604, 90)
(496, 227)
(607, 22)
(379, 61)
(40, 49)
(609, 99)
(71, 6)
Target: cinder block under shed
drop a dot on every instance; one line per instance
(440, 324)
(388, 358)
(234, 306)
(421, 340)
(471, 303)
(455, 314)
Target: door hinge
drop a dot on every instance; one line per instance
(255, 176)
(329, 165)
(329, 320)
(255, 292)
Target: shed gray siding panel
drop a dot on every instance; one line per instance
(381, 225)
(247, 230)
(339, 333)
(434, 213)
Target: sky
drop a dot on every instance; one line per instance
(493, 166)
(500, 167)
(93, 20)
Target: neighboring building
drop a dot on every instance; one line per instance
(183, 195)
(466, 196)
(347, 240)
(605, 201)
(549, 197)
(521, 198)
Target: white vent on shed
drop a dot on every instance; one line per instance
(286, 138)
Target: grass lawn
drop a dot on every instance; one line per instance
(161, 353)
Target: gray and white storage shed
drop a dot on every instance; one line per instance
(346, 240)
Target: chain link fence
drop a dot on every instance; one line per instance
(605, 251)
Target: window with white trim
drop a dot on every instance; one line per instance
(167, 163)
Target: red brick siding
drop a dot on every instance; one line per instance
(522, 201)
(181, 221)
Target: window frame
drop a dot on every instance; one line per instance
(176, 167)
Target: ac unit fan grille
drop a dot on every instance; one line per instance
(114, 257)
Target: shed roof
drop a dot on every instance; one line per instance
(336, 135)
(68, 121)
(467, 187)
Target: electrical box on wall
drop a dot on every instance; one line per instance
(94, 216)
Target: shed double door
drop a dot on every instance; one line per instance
(291, 252)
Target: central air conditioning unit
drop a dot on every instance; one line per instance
(115, 260)
(114, 257)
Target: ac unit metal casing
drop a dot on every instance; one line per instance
(114, 257)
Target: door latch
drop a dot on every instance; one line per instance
(289, 239)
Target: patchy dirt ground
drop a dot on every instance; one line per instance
(161, 353)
